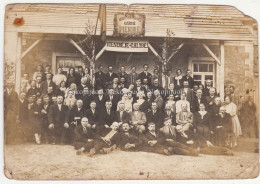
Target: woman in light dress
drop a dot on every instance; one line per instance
(143, 104)
(231, 109)
(127, 99)
(70, 100)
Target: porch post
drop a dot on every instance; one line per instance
(222, 71)
(18, 64)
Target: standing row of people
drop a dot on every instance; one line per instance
(193, 111)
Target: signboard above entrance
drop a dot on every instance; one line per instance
(127, 46)
(129, 25)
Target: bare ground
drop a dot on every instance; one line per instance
(40, 162)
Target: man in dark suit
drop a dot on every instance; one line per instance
(108, 116)
(100, 100)
(207, 88)
(153, 141)
(210, 99)
(169, 132)
(109, 77)
(111, 96)
(10, 109)
(39, 83)
(33, 90)
(138, 87)
(121, 115)
(169, 114)
(22, 115)
(22, 109)
(187, 91)
(146, 74)
(86, 97)
(156, 85)
(223, 129)
(155, 116)
(59, 121)
(129, 141)
(197, 100)
(100, 78)
(47, 83)
(77, 113)
(123, 74)
(188, 78)
(84, 136)
(114, 85)
(93, 115)
(45, 107)
(132, 76)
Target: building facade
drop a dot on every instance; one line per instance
(216, 42)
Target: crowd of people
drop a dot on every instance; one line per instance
(136, 112)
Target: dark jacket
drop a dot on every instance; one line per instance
(143, 76)
(131, 139)
(107, 119)
(100, 80)
(125, 117)
(75, 113)
(198, 121)
(93, 118)
(57, 117)
(156, 118)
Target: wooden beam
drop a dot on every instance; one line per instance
(211, 53)
(79, 49)
(174, 52)
(30, 48)
(222, 71)
(154, 52)
(100, 52)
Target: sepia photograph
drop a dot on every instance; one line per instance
(130, 92)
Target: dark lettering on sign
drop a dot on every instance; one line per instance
(129, 25)
(127, 44)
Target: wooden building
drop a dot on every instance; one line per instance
(217, 42)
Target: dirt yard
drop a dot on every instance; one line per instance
(39, 162)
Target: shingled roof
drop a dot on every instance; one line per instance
(187, 21)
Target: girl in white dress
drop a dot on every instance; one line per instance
(231, 109)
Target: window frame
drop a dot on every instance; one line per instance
(55, 56)
(203, 60)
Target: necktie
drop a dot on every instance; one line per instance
(108, 111)
(170, 131)
(59, 107)
(121, 114)
(85, 130)
(168, 113)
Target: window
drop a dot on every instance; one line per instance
(65, 61)
(202, 69)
